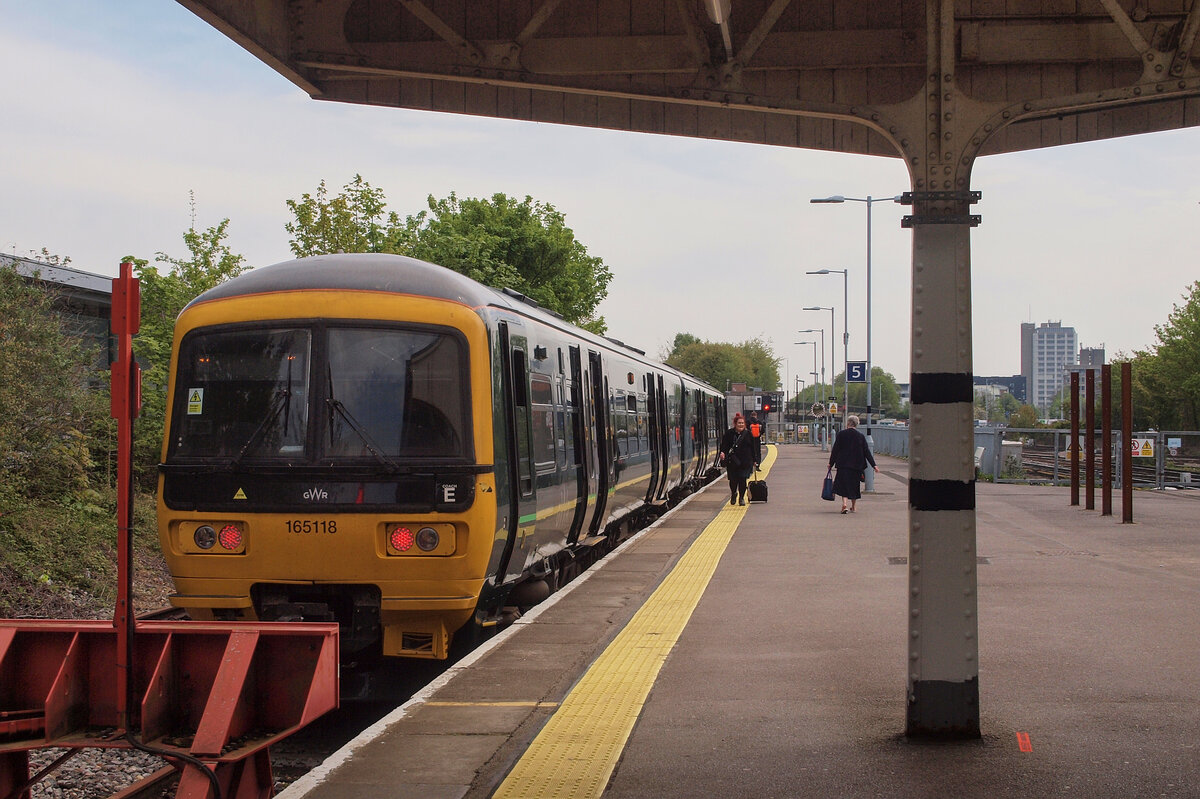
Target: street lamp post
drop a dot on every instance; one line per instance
(868, 201)
(820, 384)
(845, 273)
(832, 353)
(799, 417)
(814, 377)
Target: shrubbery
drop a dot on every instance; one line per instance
(55, 497)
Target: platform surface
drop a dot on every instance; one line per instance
(787, 677)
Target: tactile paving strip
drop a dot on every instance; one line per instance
(575, 753)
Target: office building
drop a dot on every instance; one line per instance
(1047, 351)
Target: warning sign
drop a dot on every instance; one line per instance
(240, 494)
(1142, 448)
(195, 401)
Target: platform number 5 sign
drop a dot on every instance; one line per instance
(856, 372)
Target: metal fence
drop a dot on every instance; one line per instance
(1164, 459)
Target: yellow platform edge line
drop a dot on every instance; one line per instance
(575, 753)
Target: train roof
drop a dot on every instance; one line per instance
(403, 275)
(356, 272)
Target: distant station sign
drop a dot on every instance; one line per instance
(856, 371)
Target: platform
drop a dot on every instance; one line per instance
(787, 676)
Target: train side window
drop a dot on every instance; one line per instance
(521, 405)
(543, 423)
(620, 424)
(643, 427)
(561, 428)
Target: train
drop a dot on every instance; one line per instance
(385, 443)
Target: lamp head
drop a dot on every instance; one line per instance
(815, 308)
(837, 198)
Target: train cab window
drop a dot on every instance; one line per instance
(399, 392)
(242, 395)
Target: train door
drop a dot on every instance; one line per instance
(581, 449)
(522, 510)
(681, 434)
(600, 420)
(656, 474)
(664, 442)
(701, 433)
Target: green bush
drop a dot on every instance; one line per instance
(47, 411)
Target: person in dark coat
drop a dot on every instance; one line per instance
(850, 454)
(740, 455)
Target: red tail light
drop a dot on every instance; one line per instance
(402, 539)
(230, 537)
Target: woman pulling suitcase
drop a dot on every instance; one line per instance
(740, 455)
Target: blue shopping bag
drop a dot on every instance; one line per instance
(827, 488)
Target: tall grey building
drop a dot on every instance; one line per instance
(1046, 352)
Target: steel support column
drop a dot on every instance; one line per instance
(943, 648)
(943, 669)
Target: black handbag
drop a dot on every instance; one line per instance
(827, 488)
(732, 461)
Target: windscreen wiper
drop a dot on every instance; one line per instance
(281, 399)
(363, 436)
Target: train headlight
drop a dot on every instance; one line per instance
(427, 539)
(205, 537)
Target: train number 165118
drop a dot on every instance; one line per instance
(306, 526)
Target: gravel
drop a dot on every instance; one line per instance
(92, 773)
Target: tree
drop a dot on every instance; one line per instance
(721, 363)
(500, 242)
(1008, 406)
(523, 245)
(164, 296)
(1174, 369)
(1025, 416)
(885, 394)
(353, 221)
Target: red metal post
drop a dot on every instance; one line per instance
(1073, 446)
(1126, 443)
(1089, 396)
(126, 402)
(1106, 470)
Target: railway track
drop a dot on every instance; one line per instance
(1039, 466)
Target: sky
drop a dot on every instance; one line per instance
(115, 110)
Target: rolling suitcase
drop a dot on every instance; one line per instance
(757, 489)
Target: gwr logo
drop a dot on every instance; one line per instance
(316, 495)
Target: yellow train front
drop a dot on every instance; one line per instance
(377, 441)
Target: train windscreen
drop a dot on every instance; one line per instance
(398, 392)
(242, 394)
(320, 395)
